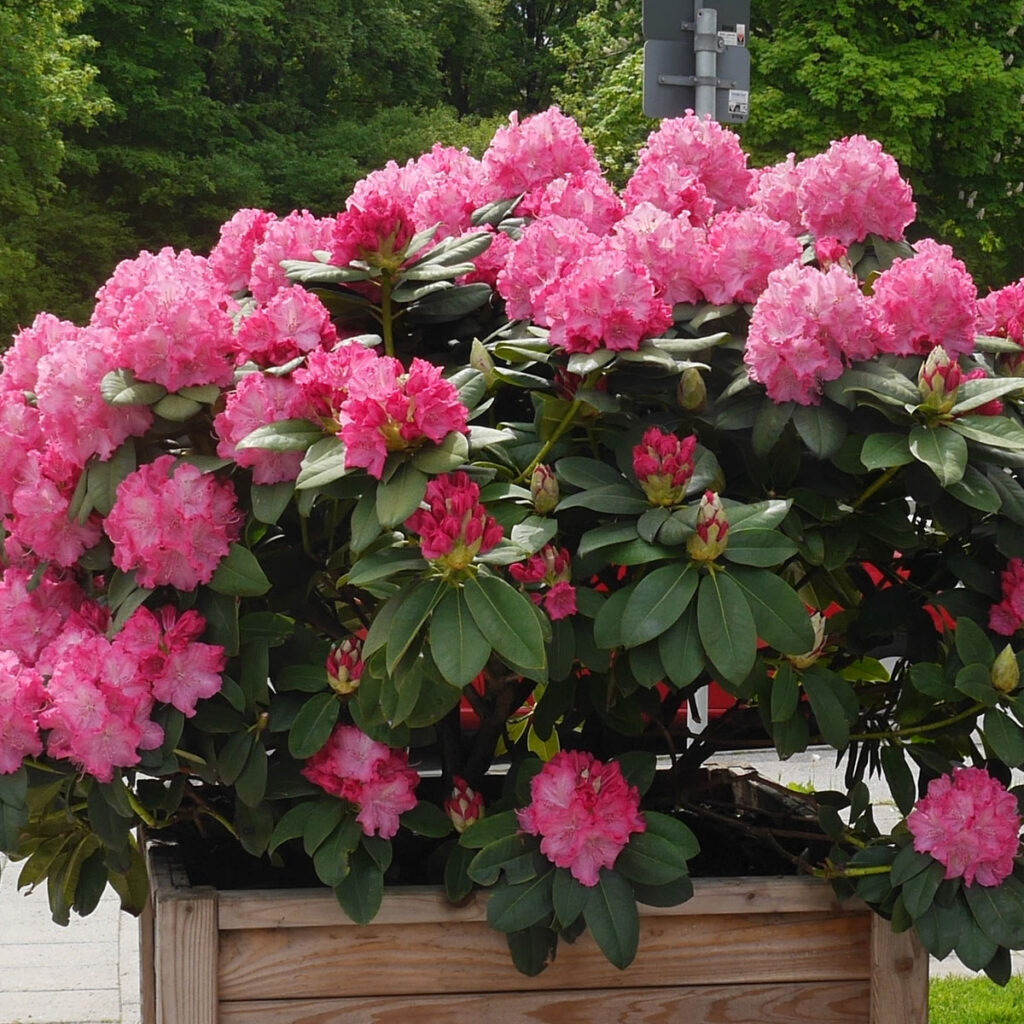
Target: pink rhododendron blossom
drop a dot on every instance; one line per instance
(927, 300)
(370, 775)
(257, 401)
(669, 247)
(76, 420)
(325, 378)
(525, 156)
(743, 248)
(98, 710)
(829, 250)
(452, 524)
(292, 323)
(1001, 313)
(165, 646)
(663, 464)
(491, 262)
(584, 811)
(21, 361)
(1007, 616)
(550, 568)
(585, 197)
(33, 609)
(375, 228)
(22, 696)
(41, 503)
(21, 438)
(605, 300)
(969, 823)
(390, 410)
(537, 263)
(231, 258)
(688, 150)
(173, 524)
(807, 326)
(295, 237)
(852, 190)
(774, 193)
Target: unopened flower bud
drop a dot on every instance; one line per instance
(712, 527)
(691, 392)
(480, 359)
(938, 381)
(544, 489)
(808, 658)
(464, 806)
(1006, 671)
(663, 464)
(345, 666)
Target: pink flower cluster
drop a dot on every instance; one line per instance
(22, 698)
(1007, 616)
(807, 326)
(453, 526)
(370, 775)
(853, 190)
(969, 823)
(663, 464)
(172, 523)
(550, 568)
(299, 236)
(292, 323)
(375, 228)
(584, 811)
(1001, 313)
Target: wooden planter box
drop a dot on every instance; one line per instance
(743, 951)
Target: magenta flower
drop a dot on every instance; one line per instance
(295, 237)
(969, 823)
(453, 526)
(853, 190)
(370, 775)
(375, 228)
(925, 301)
(1001, 313)
(390, 410)
(345, 666)
(663, 464)
(550, 568)
(1007, 616)
(173, 524)
(807, 326)
(775, 193)
(292, 323)
(22, 697)
(584, 811)
(231, 258)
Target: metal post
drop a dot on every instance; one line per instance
(705, 46)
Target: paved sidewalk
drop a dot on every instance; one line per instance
(88, 973)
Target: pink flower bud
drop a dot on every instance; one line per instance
(712, 527)
(938, 381)
(663, 464)
(464, 806)
(345, 666)
(544, 489)
(829, 250)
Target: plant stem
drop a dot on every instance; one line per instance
(916, 730)
(830, 871)
(386, 316)
(141, 811)
(876, 485)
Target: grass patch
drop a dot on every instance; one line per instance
(975, 1001)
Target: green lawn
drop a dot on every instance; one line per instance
(976, 1001)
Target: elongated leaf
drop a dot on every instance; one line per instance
(322, 464)
(568, 896)
(657, 602)
(973, 646)
(313, 725)
(361, 891)
(941, 450)
(899, 777)
(270, 500)
(761, 515)
(512, 908)
(995, 431)
(972, 394)
(829, 695)
(785, 693)
(240, 574)
(976, 491)
(611, 916)
(586, 473)
(920, 890)
(400, 496)
(681, 651)
(451, 453)
(291, 825)
(409, 618)
(821, 427)
(486, 866)
(451, 303)
(1005, 737)
(999, 911)
(618, 499)
(489, 829)
(308, 272)
(674, 830)
(880, 451)
(283, 436)
(726, 626)
(120, 387)
(779, 613)
(427, 819)
(507, 621)
(456, 644)
(13, 808)
(651, 859)
(759, 547)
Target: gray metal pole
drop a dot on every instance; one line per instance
(705, 45)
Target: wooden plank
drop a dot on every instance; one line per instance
(404, 959)
(808, 1003)
(899, 976)
(185, 956)
(147, 985)
(299, 908)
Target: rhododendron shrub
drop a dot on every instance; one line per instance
(397, 542)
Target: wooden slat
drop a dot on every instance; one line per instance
(300, 908)
(471, 957)
(808, 1003)
(147, 983)
(899, 976)
(184, 954)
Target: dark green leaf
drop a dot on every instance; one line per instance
(512, 908)
(657, 601)
(532, 949)
(456, 644)
(360, 892)
(426, 819)
(919, 890)
(941, 450)
(611, 916)
(880, 451)
(322, 464)
(821, 427)
(410, 615)
(489, 829)
(487, 864)
(651, 860)
(508, 623)
(313, 725)
(680, 649)
(899, 777)
(779, 614)
(251, 785)
(785, 692)
(999, 910)
(1004, 737)
(973, 646)
(726, 626)
(240, 574)
(283, 436)
(400, 496)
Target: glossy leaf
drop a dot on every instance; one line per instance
(779, 613)
(511, 908)
(507, 622)
(681, 651)
(361, 891)
(941, 450)
(456, 644)
(611, 916)
(726, 626)
(240, 574)
(657, 601)
(313, 725)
